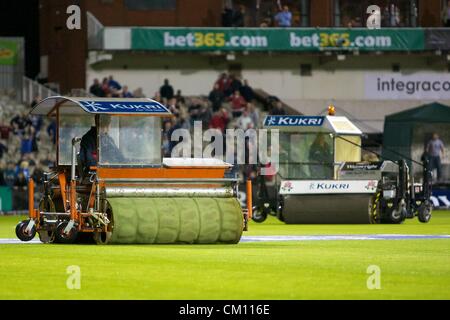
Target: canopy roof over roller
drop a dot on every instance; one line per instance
(327, 124)
(113, 106)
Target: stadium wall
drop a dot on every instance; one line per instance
(280, 75)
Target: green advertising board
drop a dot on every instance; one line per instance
(5, 199)
(8, 52)
(277, 39)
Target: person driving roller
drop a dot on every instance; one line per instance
(321, 157)
(108, 149)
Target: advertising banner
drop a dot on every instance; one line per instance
(437, 39)
(8, 52)
(277, 39)
(328, 186)
(407, 86)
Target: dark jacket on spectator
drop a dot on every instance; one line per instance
(20, 121)
(166, 91)
(216, 97)
(247, 93)
(114, 84)
(227, 17)
(96, 90)
(238, 19)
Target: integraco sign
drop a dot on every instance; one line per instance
(276, 39)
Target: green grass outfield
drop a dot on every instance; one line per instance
(410, 269)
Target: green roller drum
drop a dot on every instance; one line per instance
(176, 220)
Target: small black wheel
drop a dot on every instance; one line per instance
(66, 238)
(21, 232)
(397, 215)
(259, 215)
(280, 216)
(424, 212)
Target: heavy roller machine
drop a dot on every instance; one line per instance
(131, 194)
(321, 178)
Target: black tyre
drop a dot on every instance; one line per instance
(66, 238)
(424, 212)
(397, 216)
(21, 232)
(259, 215)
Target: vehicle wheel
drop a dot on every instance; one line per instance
(397, 215)
(424, 212)
(62, 237)
(21, 232)
(46, 236)
(259, 215)
(102, 237)
(280, 216)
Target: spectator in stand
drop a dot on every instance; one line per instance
(216, 98)
(446, 15)
(284, 16)
(20, 122)
(253, 114)
(51, 131)
(237, 104)
(247, 92)
(138, 93)
(36, 124)
(96, 89)
(219, 120)
(245, 121)
(3, 149)
(205, 115)
(172, 106)
(9, 174)
(166, 91)
(5, 129)
(278, 109)
(235, 84)
(223, 82)
(126, 93)
(26, 145)
(239, 17)
(113, 84)
(35, 101)
(23, 168)
(157, 97)
(179, 97)
(394, 16)
(38, 174)
(227, 16)
(105, 87)
(20, 181)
